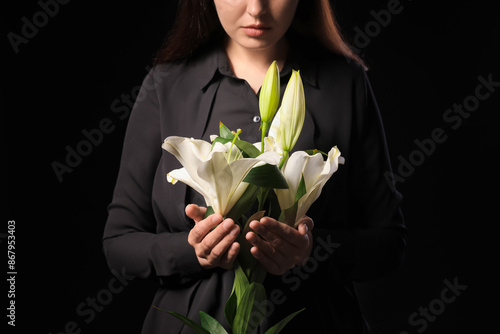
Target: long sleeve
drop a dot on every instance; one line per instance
(131, 239)
(370, 232)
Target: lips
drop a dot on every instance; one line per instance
(255, 30)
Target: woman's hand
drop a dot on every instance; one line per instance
(281, 247)
(213, 248)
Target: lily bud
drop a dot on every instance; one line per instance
(269, 94)
(292, 112)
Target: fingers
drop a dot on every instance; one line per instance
(277, 246)
(215, 244)
(275, 261)
(276, 257)
(195, 212)
(227, 260)
(278, 235)
(280, 246)
(214, 241)
(269, 262)
(306, 224)
(201, 229)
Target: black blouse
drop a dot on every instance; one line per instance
(359, 231)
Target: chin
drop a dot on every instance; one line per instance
(256, 43)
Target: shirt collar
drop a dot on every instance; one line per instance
(205, 65)
(215, 60)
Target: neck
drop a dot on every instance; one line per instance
(256, 59)
(252, 64)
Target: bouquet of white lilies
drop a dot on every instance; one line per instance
(233, 175)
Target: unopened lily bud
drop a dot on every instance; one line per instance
(269, 94)
(292, 112)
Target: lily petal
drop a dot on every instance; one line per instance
(315, 171)
(182, 175)
(217, 174)
(189, 152)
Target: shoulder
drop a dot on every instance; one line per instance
(320, 64)
(167, 72)
(192, 71)
(332, 68)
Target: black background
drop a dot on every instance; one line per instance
(90, 55)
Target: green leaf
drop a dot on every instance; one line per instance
(210, 211)
(249, 264)
(230, 308)
(256, 216)
(288, 216)
(280, 325)
(240, 285)
(221, 140)
(210, 324)
(301, 190)
(248, 148)
(190, 323)
(225, 132)
(313, 152)
(262, 197)
(274, 209)
(249, 311)
(268, 176)
(244, 203)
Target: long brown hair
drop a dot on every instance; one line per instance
(197, 24)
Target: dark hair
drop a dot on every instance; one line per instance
(197, 24)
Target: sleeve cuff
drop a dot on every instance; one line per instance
(173, 256)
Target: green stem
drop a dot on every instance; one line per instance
(232, 144)
(265, 127)
(284, 159)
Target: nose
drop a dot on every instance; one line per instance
(256, 8)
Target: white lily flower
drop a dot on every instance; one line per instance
(316, 173)
(217, 173)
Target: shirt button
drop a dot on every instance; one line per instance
(256, 119)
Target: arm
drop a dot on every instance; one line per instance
(373, 238)
(130, 237)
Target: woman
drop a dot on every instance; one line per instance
(209, 70)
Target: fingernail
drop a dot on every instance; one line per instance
(216, 219)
